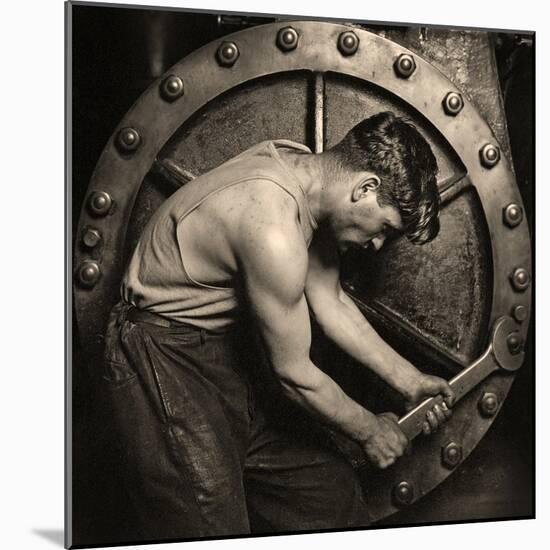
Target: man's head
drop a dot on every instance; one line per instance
(391, 173)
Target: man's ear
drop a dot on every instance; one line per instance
(364, 185)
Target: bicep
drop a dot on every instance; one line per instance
(274, 268)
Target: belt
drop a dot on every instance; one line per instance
(136, 315)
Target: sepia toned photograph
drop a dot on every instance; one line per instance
(302, 262)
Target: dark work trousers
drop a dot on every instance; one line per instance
(204, 450)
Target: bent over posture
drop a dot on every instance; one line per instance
(259, 238)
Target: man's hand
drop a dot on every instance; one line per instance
(428, 386)
(386, 442)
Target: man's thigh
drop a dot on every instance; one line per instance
(294, 483)
(176, 436)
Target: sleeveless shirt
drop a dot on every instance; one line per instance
(156, 279)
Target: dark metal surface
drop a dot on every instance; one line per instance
(199, 133)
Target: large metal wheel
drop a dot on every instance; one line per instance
(310, 82)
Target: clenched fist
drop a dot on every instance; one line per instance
(386, 442)
(429, 386)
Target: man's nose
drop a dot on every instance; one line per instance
(377, 242)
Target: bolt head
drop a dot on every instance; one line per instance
(451, 455)
(91, 237)
(514, 342)
(489, 155)
(512, 215)
(453, 103)
(403, 493)
(100, 203)
(488, 404)
(520, 279)
(287, 39)
(348, 43)
(172, 88)
(128, 140)
(227, 54)
(520, 313)
(404, 65)
(88, 273)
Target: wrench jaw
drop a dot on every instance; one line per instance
(505, 331)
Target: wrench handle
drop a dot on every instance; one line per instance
(462, 383)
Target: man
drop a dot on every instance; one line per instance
(210, 444)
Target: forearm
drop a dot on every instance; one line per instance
(345, 325)
(321, 397)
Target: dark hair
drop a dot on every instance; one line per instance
(392, 148)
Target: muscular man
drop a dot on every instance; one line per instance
(259, 237)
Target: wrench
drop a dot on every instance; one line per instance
(496, 356)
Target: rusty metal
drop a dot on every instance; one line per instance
(512, 215)
(372, 66)
(88, 274)
(99, 203)
(287, 39)
(488, 404)
(453, 103)
(348, 43)
(519, 313)
(172, 88)
(403, 494)
(489, 155)
(404, 65)
(91, 237)
(227, 54)
(128, 140)
(520, 279)
(451, 455)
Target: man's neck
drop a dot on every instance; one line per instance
(317, 173)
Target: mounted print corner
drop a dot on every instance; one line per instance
(302, 290)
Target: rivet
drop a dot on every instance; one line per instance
(88, 273)
(172, 87)
(404, 65)
(489, 155)
(91, 237)
(348, 42)
(227, 54)
(100, 203)
(403, 494)
(512, 215)
(451, 455)
(519, 313)
(287, 39)
(453, 103)
(514, 342)
(488, 404)
(520, 279)
(128, 140)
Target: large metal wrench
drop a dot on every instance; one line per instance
(503, 352)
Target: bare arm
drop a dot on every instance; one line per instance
(343, 322)
(274, 263)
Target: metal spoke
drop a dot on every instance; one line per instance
(319, 113)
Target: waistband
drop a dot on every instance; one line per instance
(136, 315)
